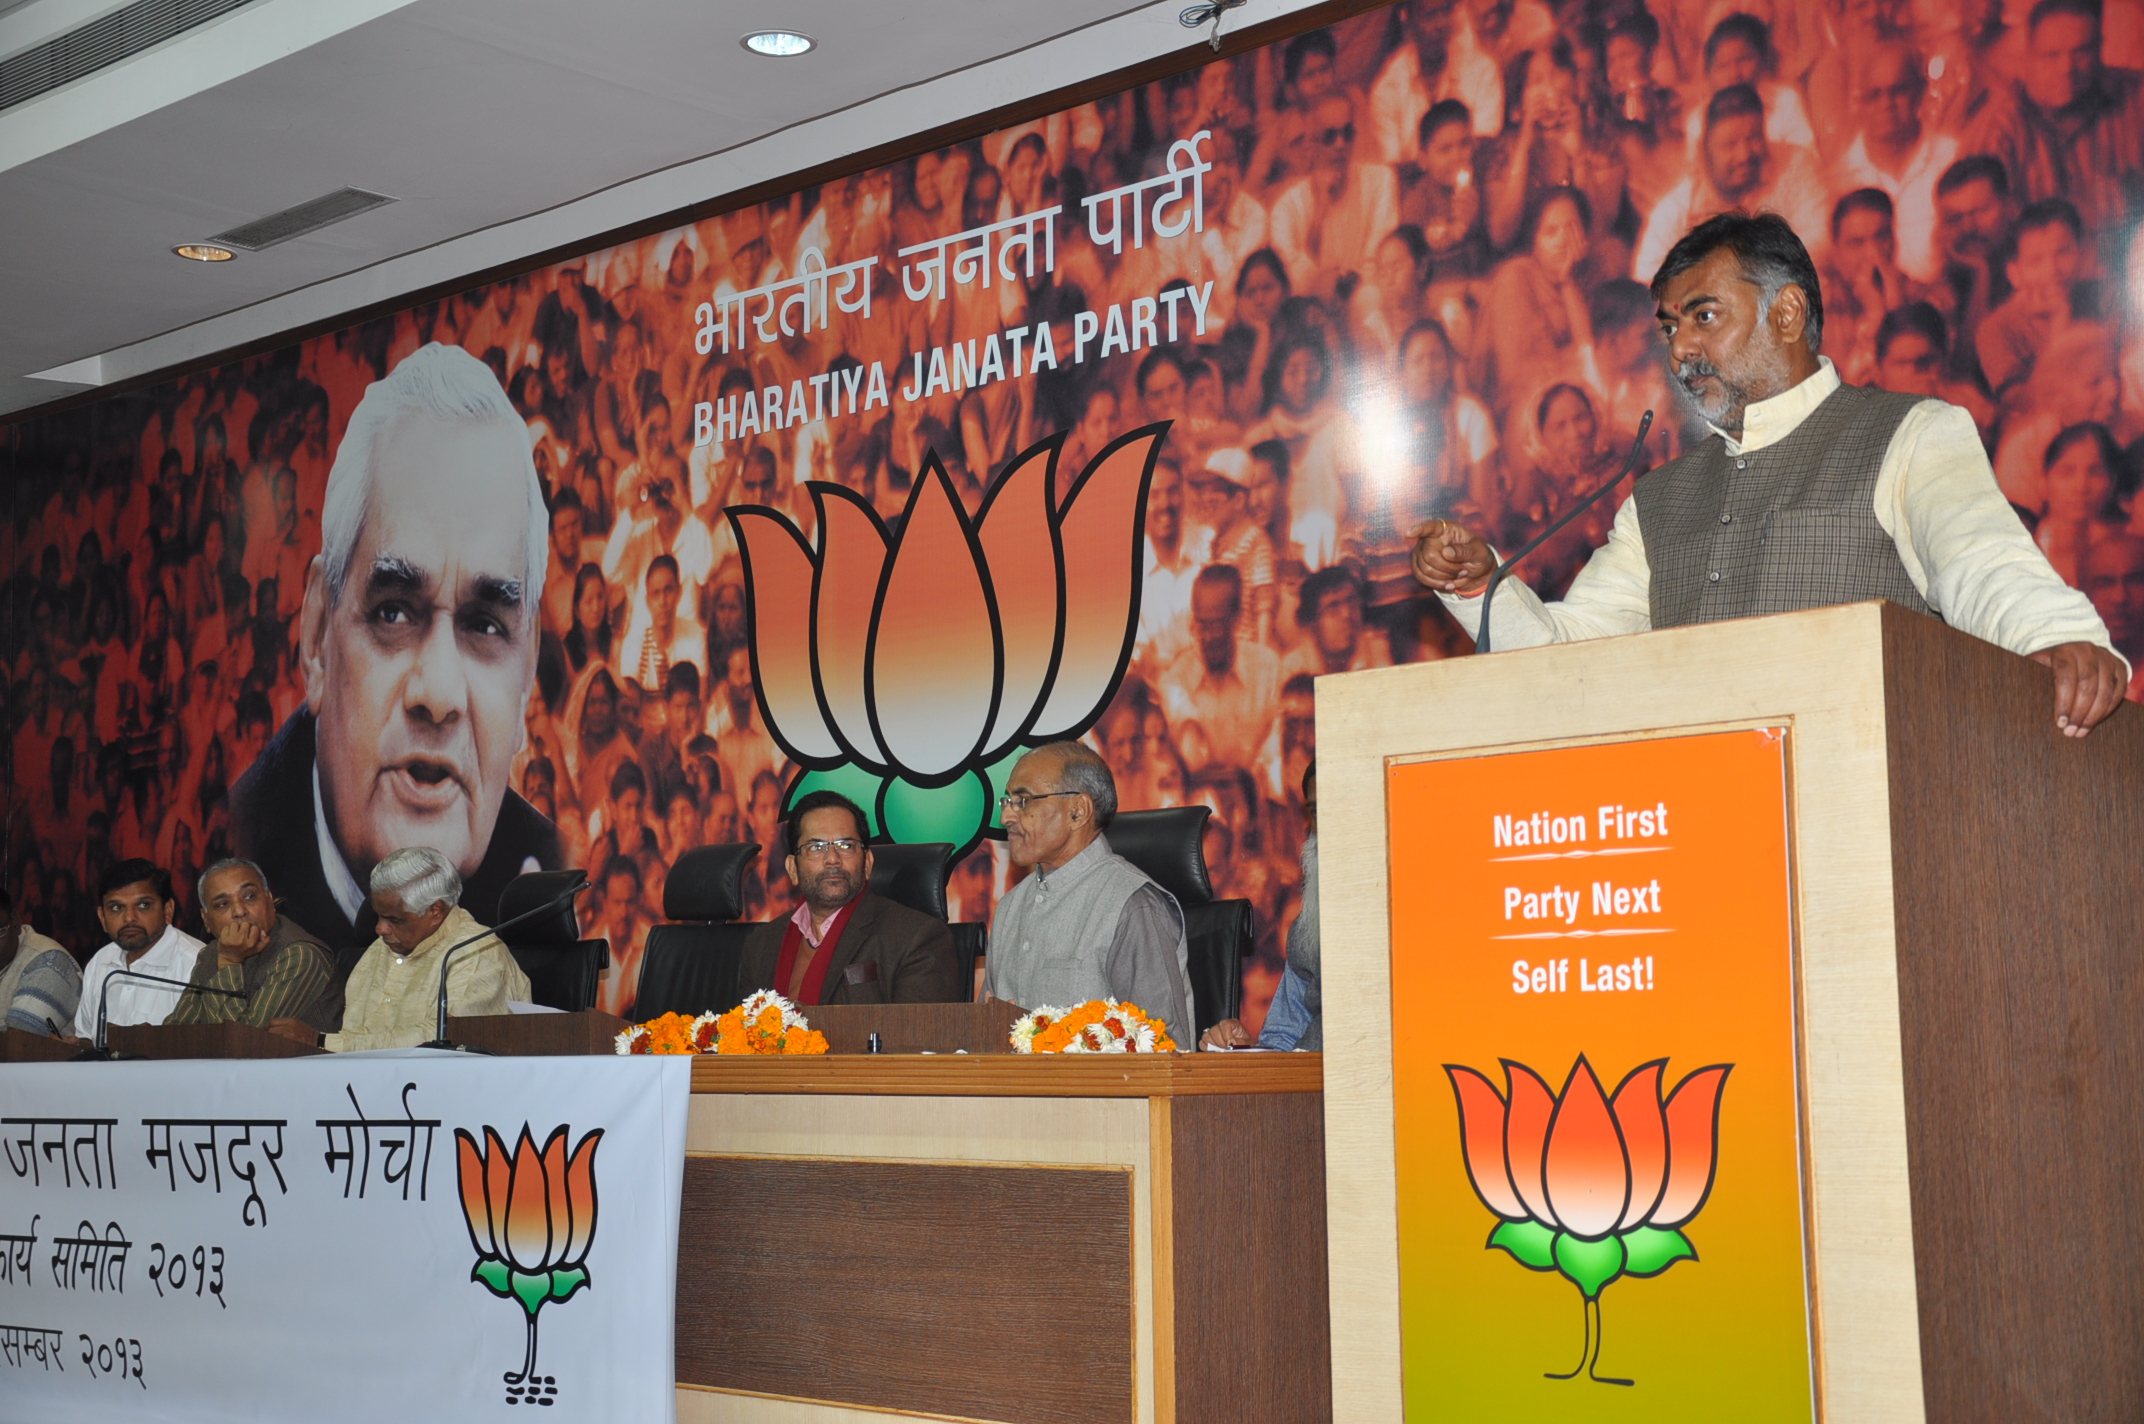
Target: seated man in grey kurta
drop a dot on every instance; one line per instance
(1087, 924)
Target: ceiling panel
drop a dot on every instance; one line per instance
(473, 113)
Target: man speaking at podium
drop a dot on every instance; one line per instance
(1809, 493)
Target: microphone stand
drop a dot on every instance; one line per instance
(98, 1051)
(1637, 448)
(445, 962)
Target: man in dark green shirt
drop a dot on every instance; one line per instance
(284, 970)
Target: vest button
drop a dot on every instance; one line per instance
(1741, 464)
(1727, 519)
(1714, 575)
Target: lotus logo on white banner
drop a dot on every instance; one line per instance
(532, 1218)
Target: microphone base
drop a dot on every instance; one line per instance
(105, 1055)
(452, 1047)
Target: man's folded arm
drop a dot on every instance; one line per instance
(201, 1008)
(297, 977)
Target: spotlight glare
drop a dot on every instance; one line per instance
(203, 252)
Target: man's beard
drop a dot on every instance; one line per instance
(831, 888)
(1766, 375)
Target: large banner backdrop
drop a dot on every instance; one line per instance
(1109, 424)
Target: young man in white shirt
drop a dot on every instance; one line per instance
(136, 908)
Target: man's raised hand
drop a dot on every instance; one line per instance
(1450, 558)
(238, 941)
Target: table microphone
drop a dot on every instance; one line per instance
(442, 1041)
(98, 1050)
(1488, 596)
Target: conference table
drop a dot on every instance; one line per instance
(972, 1234)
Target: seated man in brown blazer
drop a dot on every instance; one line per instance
(845, 945)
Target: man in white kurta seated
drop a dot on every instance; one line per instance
(136, 907)
(1087, 924)
(392, 1000)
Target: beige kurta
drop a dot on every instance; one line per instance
(392, 1000)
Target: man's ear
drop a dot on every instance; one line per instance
(312, 631)
(789, 863)
(1790, 313)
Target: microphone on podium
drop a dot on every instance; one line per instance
(98, 1050)
(441, 1040)
(1488, 595)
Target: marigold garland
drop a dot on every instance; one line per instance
(764, 1023)
(1097, 1026)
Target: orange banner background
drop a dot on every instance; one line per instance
(1726, 1334)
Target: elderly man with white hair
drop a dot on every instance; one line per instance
(418, 640)
(392, 999)
(1088, 924)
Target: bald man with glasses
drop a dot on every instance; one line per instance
(845, 945)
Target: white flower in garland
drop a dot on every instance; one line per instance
(763, 999)
(1024, 1031)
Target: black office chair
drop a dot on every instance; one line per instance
(690, 966)
(1169, 845)
(915, 876)
(564, 970)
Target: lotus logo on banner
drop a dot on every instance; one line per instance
(532, 1218)
(1590, 1186)
(908, 668)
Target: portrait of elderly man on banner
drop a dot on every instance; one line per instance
(418, 644)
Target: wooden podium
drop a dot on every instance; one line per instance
(1962, 967)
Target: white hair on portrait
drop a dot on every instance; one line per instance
(436, 380)
(421, 876)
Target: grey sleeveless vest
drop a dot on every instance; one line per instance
(1788, 527)
(1051, 936)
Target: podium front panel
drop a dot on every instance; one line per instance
(1596, 1101)
(1821, 675)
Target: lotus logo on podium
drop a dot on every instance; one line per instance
(907, 668)
(1591, 1186)
(532, 1218)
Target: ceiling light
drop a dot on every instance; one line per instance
(203, 252)
(778, 44)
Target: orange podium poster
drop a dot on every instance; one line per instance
(1595, 1085)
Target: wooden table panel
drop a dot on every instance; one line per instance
(980, 1292)
(217, 1040)
(540, 1035)
(1016, 1075)
(1247, 1249)
(19, 1047)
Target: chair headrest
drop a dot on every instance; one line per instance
(707, 883)
(1169, 846)
(913, 875)
(524, 893)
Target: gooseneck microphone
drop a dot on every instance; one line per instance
(446, 960)
(1488, 596)
(97, 1049)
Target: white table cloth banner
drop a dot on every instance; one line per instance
(396, 1236)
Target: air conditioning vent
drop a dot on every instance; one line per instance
(88, 48)
(304, 218)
